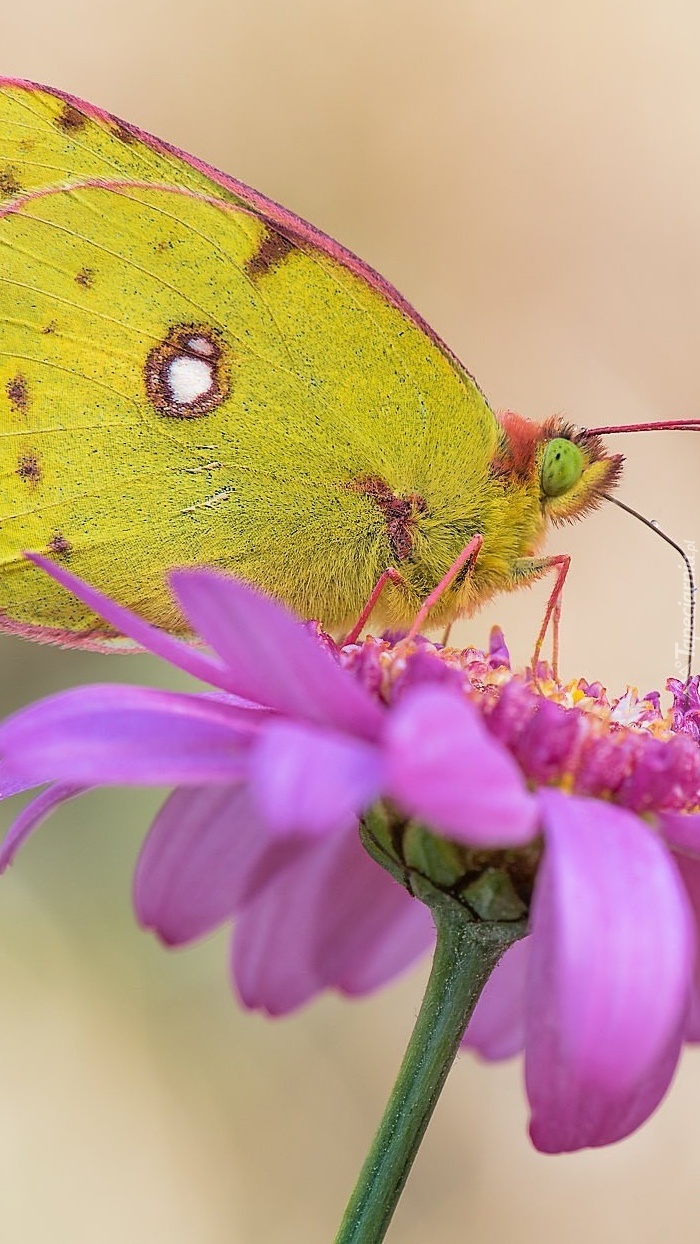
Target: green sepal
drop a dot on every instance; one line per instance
(487, 885)
(492, 897)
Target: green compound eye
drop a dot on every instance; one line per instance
(562, 467)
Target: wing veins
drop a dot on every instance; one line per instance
(143, 272)
(232, 214)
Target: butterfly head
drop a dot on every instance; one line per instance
(575, 471)
(569, 465)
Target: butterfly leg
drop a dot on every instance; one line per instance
(530, 569)
(390, 575)
(467, 557)
(445, 638)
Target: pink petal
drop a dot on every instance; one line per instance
(443, 766)
(12, 784)
(681, 831)
(689, 870)
(612, 958)
(108, 734)
(269, 655)
(273, 961)
(369, 927)
(311, 781)
(334, 919)
(124, 622)
(31, 817)
(497, 1027)
(206, 853)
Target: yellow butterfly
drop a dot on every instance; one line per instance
(189, 373)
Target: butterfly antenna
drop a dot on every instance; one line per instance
(664, 425)
(652, 524)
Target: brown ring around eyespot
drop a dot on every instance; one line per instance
(185, 343)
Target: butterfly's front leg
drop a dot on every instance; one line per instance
(526, 570)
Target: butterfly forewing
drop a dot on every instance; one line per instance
(183, 379)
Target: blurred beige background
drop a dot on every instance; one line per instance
(529, 176)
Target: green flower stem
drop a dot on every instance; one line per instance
(466, 953)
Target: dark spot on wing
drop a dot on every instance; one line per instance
(18, 392)
(271, 252)
(59, 546)
(122, 131)
(29, 469)
(86, 278)
(70, 120)
(51, 327)
(10, 185)
(399, 513)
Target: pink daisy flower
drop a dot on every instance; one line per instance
(508, 797)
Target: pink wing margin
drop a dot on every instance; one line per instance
(268, 209)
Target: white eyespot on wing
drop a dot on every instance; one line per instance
(189, 379)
